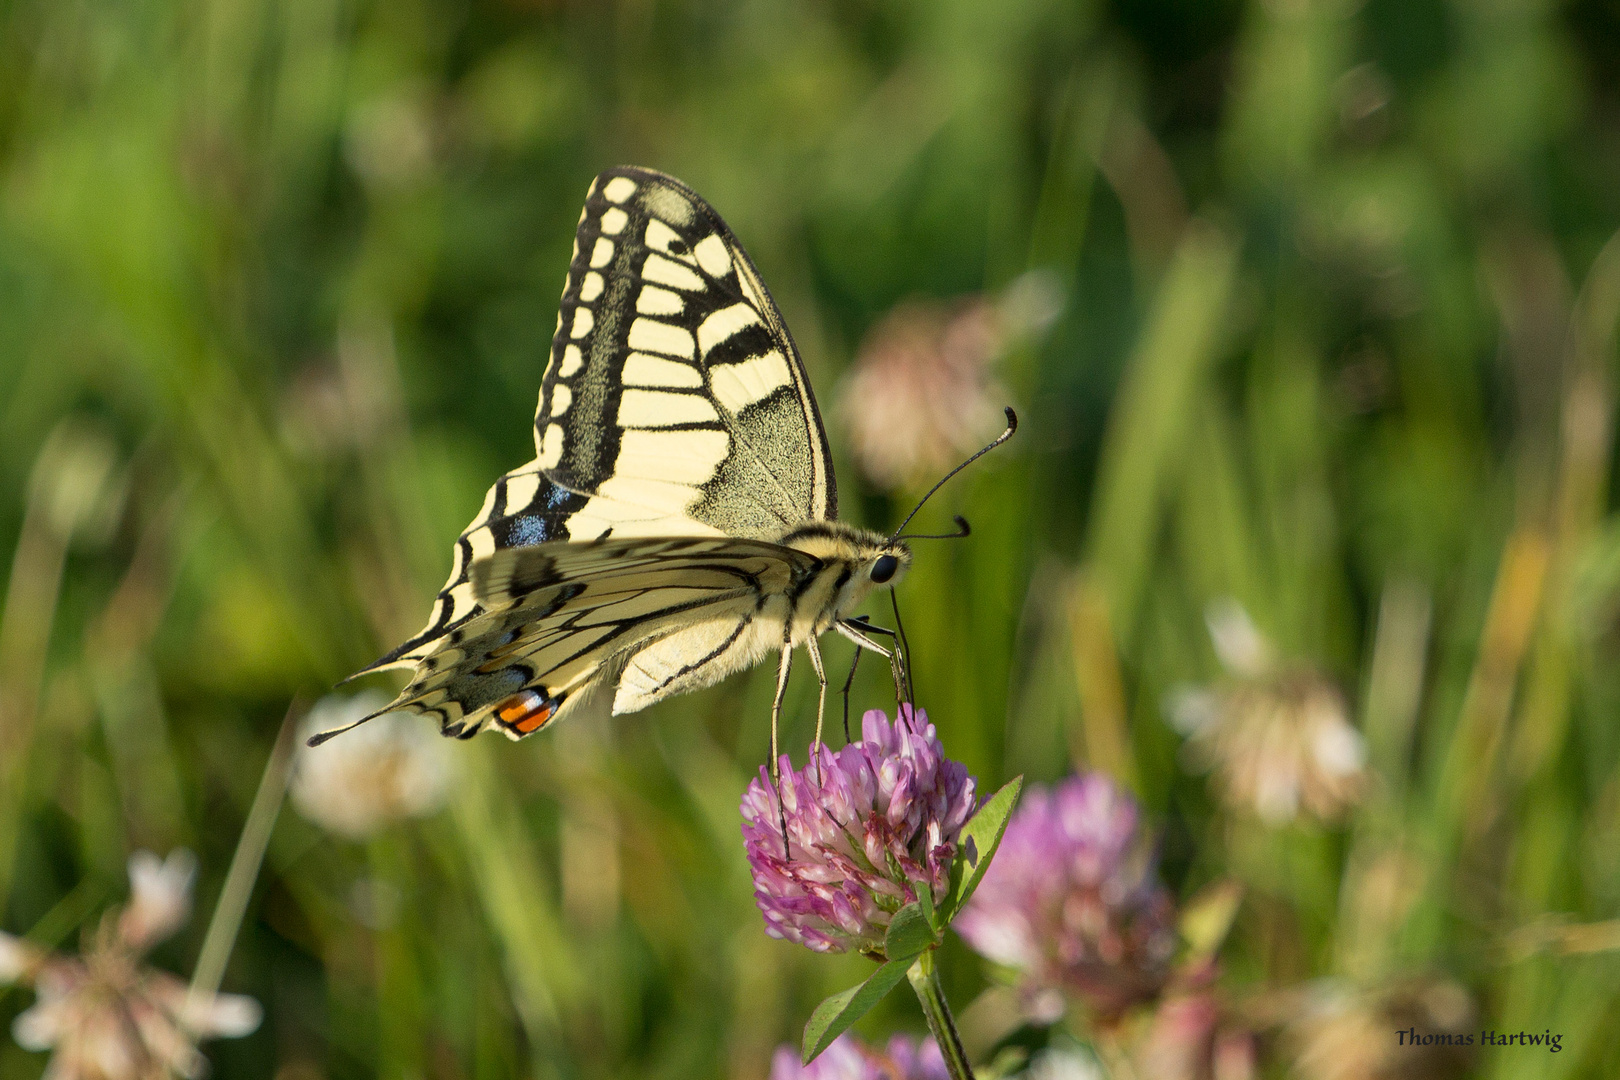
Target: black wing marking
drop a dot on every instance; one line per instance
(523, 508)
(554, 618)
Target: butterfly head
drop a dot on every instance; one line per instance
(883, 568)
(854, 560)
(880, 561)
(867, 561)
(875, 562)
(870, 562)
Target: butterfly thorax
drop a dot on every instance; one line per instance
(851, 562)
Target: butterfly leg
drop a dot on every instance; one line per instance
(849, 682)
(782, 669)
(811, 644)
(856, 631)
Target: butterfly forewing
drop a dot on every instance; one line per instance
(674, 402)
(675, 397)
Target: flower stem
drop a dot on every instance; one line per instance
(924, 976)
(244, 871)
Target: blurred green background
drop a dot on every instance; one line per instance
(1339, 295)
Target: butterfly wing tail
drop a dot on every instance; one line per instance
(518, 714)
(322, 736)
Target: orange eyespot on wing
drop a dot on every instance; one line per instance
(526, 712)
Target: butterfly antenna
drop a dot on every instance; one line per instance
(962, 529)
(1012, 426)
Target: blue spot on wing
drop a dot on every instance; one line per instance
(527, 529)
(543, 520)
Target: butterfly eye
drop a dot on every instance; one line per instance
(883, 569)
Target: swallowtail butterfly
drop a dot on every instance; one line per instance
(679, 520)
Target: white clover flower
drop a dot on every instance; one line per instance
(104, 1015)
(1064, 1063)
(160, 896)
(1277, 737)
(386, 769)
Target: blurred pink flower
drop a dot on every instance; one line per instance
(1073, 904)
(920, 394)
(848, 1058)
(867, 827)
(105, 1015)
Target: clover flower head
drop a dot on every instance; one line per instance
(921, 393)
(1072, 903)
(1277, 738)
(107, 1016)
(867, 828)
(848, 1058)
(386, 769)
(159, 897)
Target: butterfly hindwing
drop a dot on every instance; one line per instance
(612, 625)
